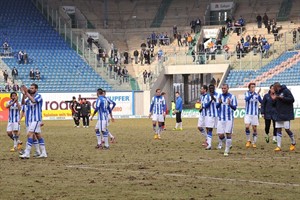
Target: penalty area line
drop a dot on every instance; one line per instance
(86, 167)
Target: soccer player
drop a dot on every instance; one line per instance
(252, 100)
(101, 108)
(111, 105)
(166, 110)
(157, 111)
(202, 111)
(284, 100)
(25, 113)
(178, 111)
(268, 111)
(13, 126)
(75, 108)
(34, 102)
(211, 118)
(226, 106)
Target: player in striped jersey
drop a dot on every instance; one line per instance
(252, 100)
(13, 126)
(226, 106)
(101, 109)
(202, 113)
(34, 103)
(157, 111)
(25, 113)
(211, 118)
(111, 106)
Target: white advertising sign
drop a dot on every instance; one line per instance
(210, 33)
(221, 6)
(55, 107)
(94, 35)
(69, 9)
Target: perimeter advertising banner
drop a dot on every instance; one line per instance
(55, 105)
(4, 97)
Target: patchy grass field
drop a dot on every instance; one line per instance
(138, 167)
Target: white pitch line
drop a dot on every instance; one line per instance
(184, 175)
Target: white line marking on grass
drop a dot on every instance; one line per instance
(184, 175)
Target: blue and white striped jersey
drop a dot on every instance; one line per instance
(111, 105)
(211, 105)
(27, 117)
(14, 113)
(35, 109)
(101, 108)
(203, 109)
(225, 110)
(158, 104)
(252, 103)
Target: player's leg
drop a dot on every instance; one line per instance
(228, 144)
(87, 121)
(105, 134)
(267, 129)
(254, 128)
(36, 146)
(179, 120)
(29, 141)
(84, 121)
(221, 133)
(274, 132)
(247, 129)
(201, 128)
(41, 140)
(209, 138)
(98, 135)
(291, 135)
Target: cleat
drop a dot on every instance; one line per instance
(13, 149)
(254, 145)
(208, 148)
(78, 126)
(292, 147)
(274, 141)
(24, 156)
(21, 152)
(106, 148)
(226, 154)
(219, 146)
(277, 149)
(248, 144)
(267, 138)
(158, 137)
(180, 129)
(99, 146)
(43, 155)
(87, 127)
(155, 136)
(174, 129)
(36, 154)
(230, 147)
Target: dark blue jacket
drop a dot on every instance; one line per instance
(268, 108)
(178, 104)
(284, 105)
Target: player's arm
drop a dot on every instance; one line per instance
(8, 105)
(232, 103)
(151, 107)
(259, 99)
(164, 107)
(207, 102)
(248, 96)
(22, 114)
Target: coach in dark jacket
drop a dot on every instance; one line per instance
(268, 111)
(285, 112)
(85, 113)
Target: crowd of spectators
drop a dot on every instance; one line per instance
(147, 76)
(35, 74)
(10, 85)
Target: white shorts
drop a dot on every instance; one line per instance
(13, 126)
(251, 119)
(158, 118)
(201, 121)
(225, 127)
(283, 124)
(211, 122)
(101, 125)
(34, 127)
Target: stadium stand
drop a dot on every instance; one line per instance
(62, 69)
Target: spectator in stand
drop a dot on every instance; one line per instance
(20, 57)
(239, 50)
(142, 57)
(5, 76)
(145, 75)
(246, 47)
(7, 87)
(242, 40)
(147, 56)
(175, 32)
(269, 27)
(149, 76)
(31, 74)
(266, 48)
(198, 25)
(259, 21)
(25, 57)
(193, 55)
(126, 55)
(153, 38)
(193, 26)
(275, 33)
(136, 56)
(125, 74)
(5, 48)
(90, 41)
(179, 40)
(265, 20)
(151, 50)
(254, 47)
(14, 74)
(115, 71)
(37, 74)
(160, 55)
(189, 40)
(16, 87)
